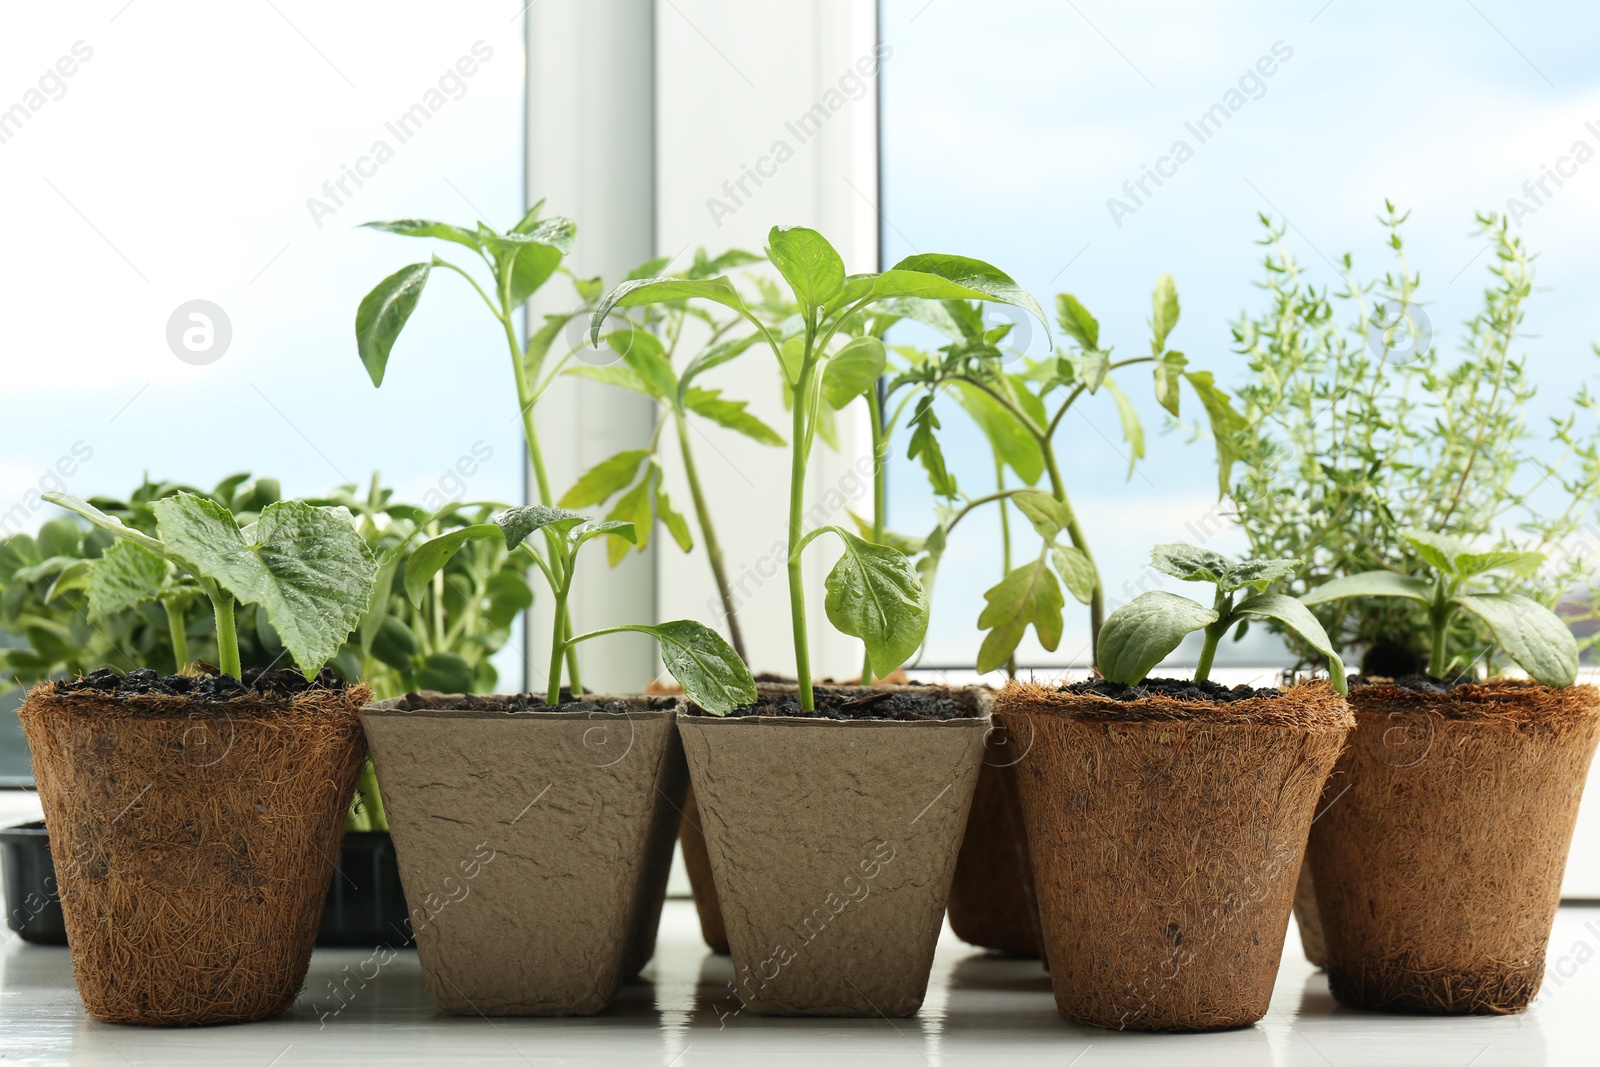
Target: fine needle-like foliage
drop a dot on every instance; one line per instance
(1147, 629)
(874, 592)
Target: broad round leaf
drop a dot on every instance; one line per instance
(873, 593)
(811, 266)
(1535, 637)
(383, 314)
(853, 370)
(1144, 631)
(710, 671)
(518, 522)
(1191, 564)
(1370, 583)
(1297, 617)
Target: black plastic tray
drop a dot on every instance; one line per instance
(366, 907)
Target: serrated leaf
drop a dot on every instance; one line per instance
(853, 370)
(1168, 376)
(1029, 595)
(1165, 304)
(1298, 618)
(1132, 428)
(710, 671)
(1077, 570)
(383, 314)
(924, 445)
(1092, 367)
(731, 414)
(1077, 322)
(518, 522)
(434, 553)
(1226, 424)
(873, 593)
(307, 566)
(633, 508)
(1370, 583)
(1535, 637)
(675, 523)
(811, 266)
(604, 480)
(126, 576)
(1048, 515)
(1438, 551)
(1145, 631)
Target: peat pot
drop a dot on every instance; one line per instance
(534, 842)
(1166, 825)
(832, 839)
(193, 825)
(1439, 853)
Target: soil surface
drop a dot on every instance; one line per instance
(1174, 688)
(257, 683)
(1416, 683)
(536, 702)
(851, 704)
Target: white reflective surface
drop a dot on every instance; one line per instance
(980, 1009)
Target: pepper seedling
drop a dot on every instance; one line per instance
(711, 673)
(305, 566)
(1533, 636)
(1144, 631)
(873, 592)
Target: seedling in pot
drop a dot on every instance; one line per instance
(1531, 635)
(306, 567)
(711, 673)
(873, 593)
(1146, 630)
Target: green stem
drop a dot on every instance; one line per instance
(880, 492)
(1005, 543)
(180, 638)
(1440, 614)
(1097, 601)
(558, 646)
(1208, 652)
(227, 634)
(708, 534)
(797, 485)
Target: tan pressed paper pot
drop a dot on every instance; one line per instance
(832, 844)
(193, 842)
(1439, 853)
(1166, 836)
(533, 845)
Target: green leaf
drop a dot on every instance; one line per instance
(642, 291)
(445, 672)
(100, 519)
(383, 314)
(909, 546)
(532, 257)
(126, 576)
(1438, 551)
(1370, 583)
(1048, 515)
(618, 374)
(1132, 428)
(307, 566)
(74, 577)
(509, 594)
(1258, 573)
(641, 351)
(423, 228)
(1029, 594)
(710, 671)
(1535, 637)
(873, 593)
(1191, 564)
(714, 356)
(394, 644)
(1298, 618)
(1226, 424)
(518, 522)
(1165, 302)
(1077, 570)
(811, 266)
(632, 508)
(853, 370)
(675, 523)
(1145, 631)
(1520, 564)
(587, 531)
(604, 480)
(59, 537)
(731, 414)
(434, 553)
(935, 276)
(1092, 368)
(924, 445)
(1077, 322)
(1169, 374)
(1006, 434)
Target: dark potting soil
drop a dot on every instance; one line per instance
(257, 683)
(848, 704)
(1416, 683)
(536, 702)
(1175, 688)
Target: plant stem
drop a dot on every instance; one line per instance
(180, 639)
(1439, 614)
(1208, 651)
(1005, 543)
(797, 485)
(709, 535)
(1097, 600)
(880, 492)
(558, 645)
(227, 635)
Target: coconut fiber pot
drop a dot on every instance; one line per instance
(1439, 854)
(992, 901)
(832, 841)
(534, 843)
(193, 835)
(1166, 835)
